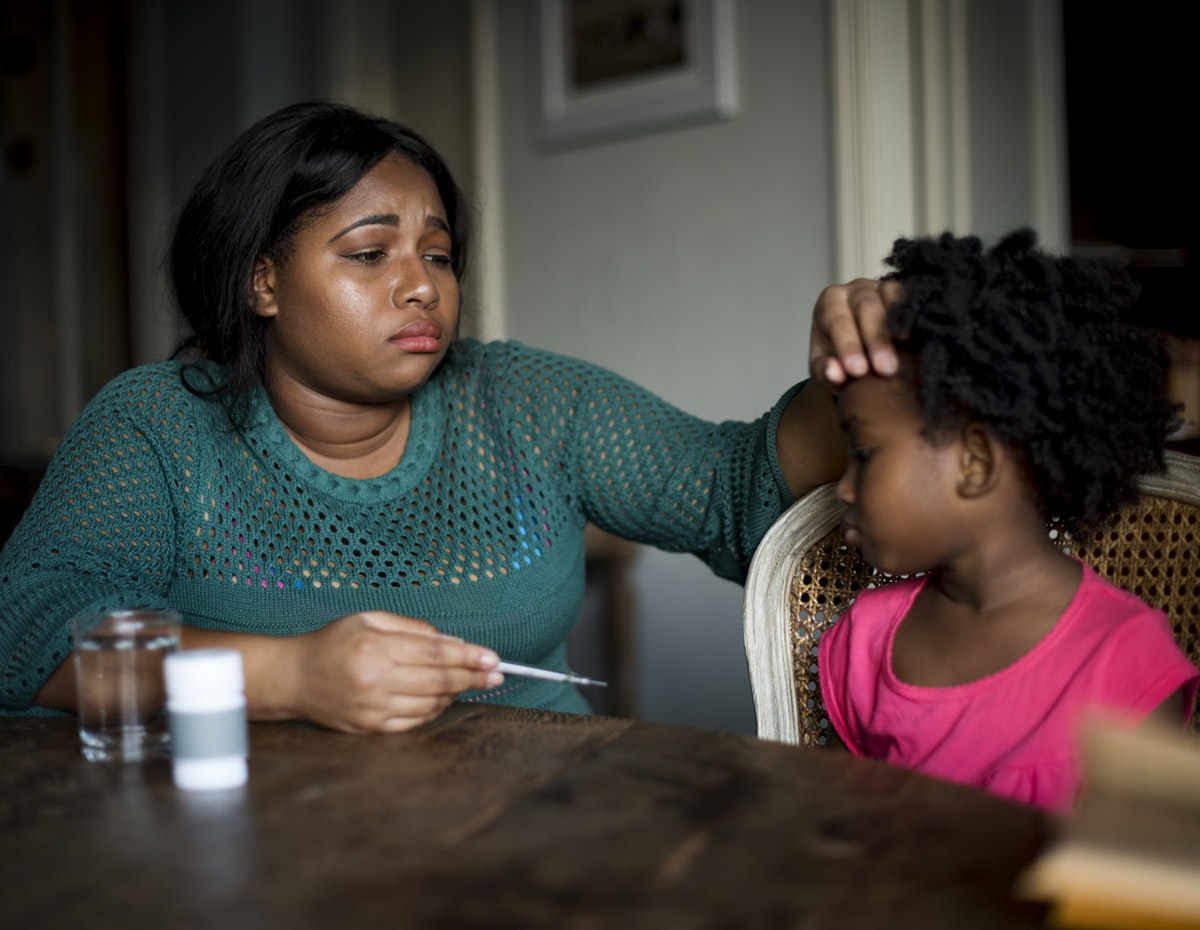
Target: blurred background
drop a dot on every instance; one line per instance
(685, 254)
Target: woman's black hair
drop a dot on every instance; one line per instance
(1033, 348)
(255, 196)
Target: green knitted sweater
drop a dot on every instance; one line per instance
(155, 499)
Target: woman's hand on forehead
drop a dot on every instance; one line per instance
(849, 331)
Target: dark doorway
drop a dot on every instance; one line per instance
(1131, 82)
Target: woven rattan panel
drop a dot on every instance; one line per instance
(826, 580)
(1151, 548)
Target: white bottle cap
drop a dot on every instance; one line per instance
(204, 679)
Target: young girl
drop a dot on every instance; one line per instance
(1022, 398)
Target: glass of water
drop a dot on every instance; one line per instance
(119, 658)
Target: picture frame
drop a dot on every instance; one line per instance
(612, 68)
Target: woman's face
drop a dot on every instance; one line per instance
(900, 488)
(365, 304)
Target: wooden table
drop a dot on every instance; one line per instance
(498, 818)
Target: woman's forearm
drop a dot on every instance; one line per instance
(269, 667)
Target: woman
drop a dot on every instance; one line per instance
(370, 510)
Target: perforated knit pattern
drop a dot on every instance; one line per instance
(154, 499)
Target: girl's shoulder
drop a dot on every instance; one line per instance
(1101, 600)
(877, 610)
(1104, 619)
(889, 591)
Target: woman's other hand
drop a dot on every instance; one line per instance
(849, 326)
(849, 331)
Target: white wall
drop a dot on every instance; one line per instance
(687, 260)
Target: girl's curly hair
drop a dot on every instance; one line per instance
(1033, 348)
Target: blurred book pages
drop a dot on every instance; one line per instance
(1128, 856)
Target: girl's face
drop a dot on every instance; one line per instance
(365, 304)
(899, 487)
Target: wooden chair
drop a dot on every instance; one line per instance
(803, 576)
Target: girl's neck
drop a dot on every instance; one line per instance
(985, 612)
(1007, 569)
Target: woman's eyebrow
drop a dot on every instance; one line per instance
(387, 219)
(375, 219)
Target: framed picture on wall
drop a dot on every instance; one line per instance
(617, 67)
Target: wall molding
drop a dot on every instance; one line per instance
(1048, 104)
(902, 115)
(874, 132)
(490, 318)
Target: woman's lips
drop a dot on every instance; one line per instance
(419, 336)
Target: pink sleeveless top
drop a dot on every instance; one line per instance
(1013, 732)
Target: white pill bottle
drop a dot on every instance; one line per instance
(206, 706)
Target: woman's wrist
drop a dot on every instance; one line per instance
(271, 666)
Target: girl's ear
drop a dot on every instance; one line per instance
(262, 286)
(982, 459)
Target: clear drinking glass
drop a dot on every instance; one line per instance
(119, 657)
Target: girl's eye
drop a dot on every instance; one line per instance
(366, 256)
(439, 258)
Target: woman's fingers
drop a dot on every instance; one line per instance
(376, 671)
(849, 336)
(836, 350)
(421, 680)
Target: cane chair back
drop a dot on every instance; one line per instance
(803, 576)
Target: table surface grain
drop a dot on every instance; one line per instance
(501, 817)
